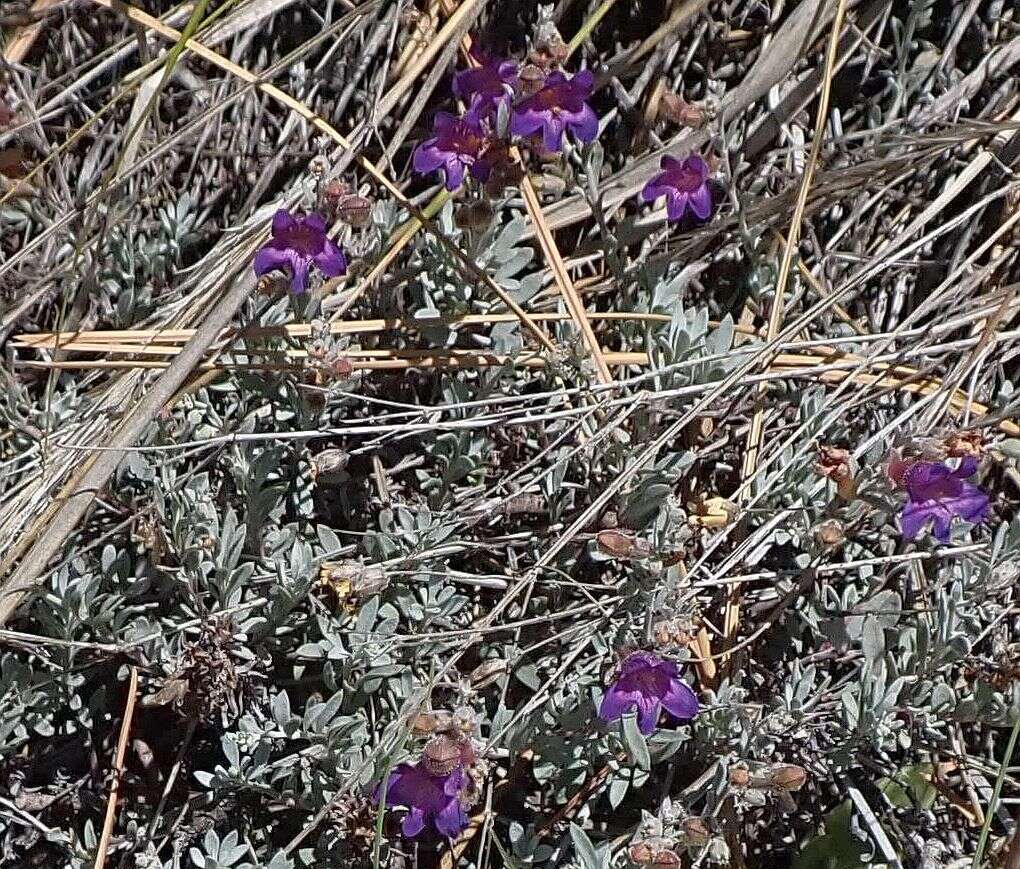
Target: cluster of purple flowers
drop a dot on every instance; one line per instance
(464, 144)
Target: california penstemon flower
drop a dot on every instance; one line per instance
(648, 683)
(297, 244)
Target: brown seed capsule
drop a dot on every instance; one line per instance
(740, 776)
(830, 533)
(836, 464)
(788, 777)
(442, 755)
(696, 831)
(675, 109)
(645, 851)
(665, 859)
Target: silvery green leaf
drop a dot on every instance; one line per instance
(584, 849)
(634, 739)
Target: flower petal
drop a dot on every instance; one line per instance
(972, 504)
(680, 701)
(648, 714)
(586, 124)
(968, 468)
(414, 823)
(427, 157)
(300, 266)
(616, 701)
(315, 222)
(452, 819)
(331, 261)
(655, 188)
(273, 255)
(283, 222)
(584, 80)
(701, 202)
(552, 133)
(454, 173)
(676, 204)
(524, 122)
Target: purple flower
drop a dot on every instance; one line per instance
(648, 684)
(484, 87)
(295, 245)
(937, 493)
(559, 106)
(456, 146)
(684, 183)
(434, 799)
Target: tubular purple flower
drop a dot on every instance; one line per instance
(297, 243)
(485, 86)
(432, 799)
(684, 183)
(936, 493)
(648, 684)
(558, 107)
(456, 146)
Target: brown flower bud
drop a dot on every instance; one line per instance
(474, 215)
(487, 672)
(442, 755)
(836, 464)
(435, 721)
(696, 831)
(963, 444)
(329, 462)
(740, 776)
(830, 533)
(788, 777)
(621, 544)
(646, 852)
(666, 859)
(532, 79)
(675, 109)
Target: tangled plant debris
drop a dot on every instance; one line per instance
(469, 434)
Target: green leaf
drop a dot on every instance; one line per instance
(634, 739)
(584, 848)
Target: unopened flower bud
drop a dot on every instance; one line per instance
(962, 444)
(532, 79)
(488, 672)
(675, 109)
